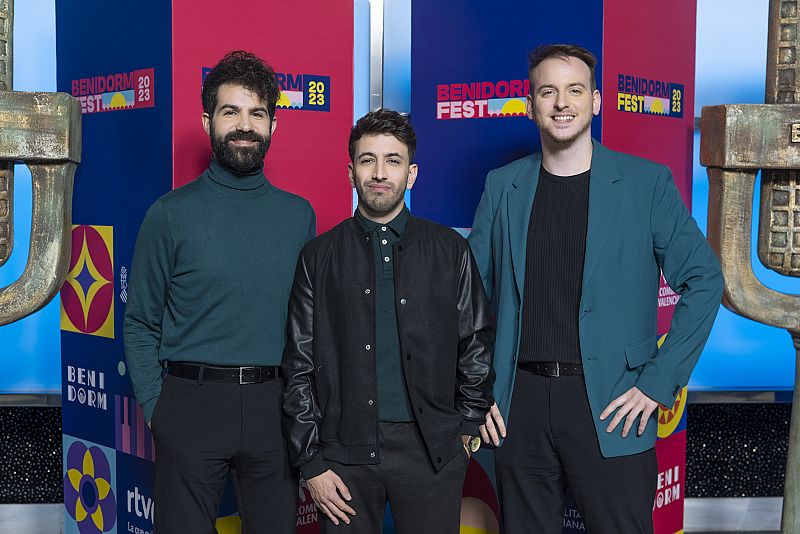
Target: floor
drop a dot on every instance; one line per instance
(31, 518)
(713, 516)
(725, 515)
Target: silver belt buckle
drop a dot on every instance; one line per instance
(558, 370)
(242, 379)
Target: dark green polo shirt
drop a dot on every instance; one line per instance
(393, 401)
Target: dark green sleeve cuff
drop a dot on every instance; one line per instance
(148, 408)
(314, 467)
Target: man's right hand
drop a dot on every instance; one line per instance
(329, 494)
(495, 427)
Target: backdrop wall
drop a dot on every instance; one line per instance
(139, 89)
(468, 88)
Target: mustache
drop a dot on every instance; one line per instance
(385, 183)
(243, 136)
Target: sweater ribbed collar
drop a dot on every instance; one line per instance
(231, 179)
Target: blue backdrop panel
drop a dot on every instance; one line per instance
(483, 42)
(118, 63)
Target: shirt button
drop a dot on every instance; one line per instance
(403, 302)
(372, 454)
(383, 228)
(438, 459)
(367, 238)
(368, 347)
(386, 258)
(370, 402)
(383, 242)
(367, 291)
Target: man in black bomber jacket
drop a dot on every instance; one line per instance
(388, 364)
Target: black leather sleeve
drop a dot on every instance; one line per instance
(301, 413)
(475, 375)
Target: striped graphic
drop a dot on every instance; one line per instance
(132, 433)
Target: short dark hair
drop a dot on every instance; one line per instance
(563, 51)
(244, 69)
(384, 121)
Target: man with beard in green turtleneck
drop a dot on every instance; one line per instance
(205, 324)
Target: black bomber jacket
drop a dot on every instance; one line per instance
(446, 335)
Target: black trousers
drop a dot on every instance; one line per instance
(204, 430)
(551, 443)
(422, 500)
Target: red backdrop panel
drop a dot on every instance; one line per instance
(648, 92)
(308, 43)
(671, 484)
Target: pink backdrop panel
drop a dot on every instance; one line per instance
(648, 92)
(310, 45)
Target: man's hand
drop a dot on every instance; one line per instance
(495, 427)
(329, 494)
(631, 403)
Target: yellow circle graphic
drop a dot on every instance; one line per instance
(477, 517)
(230, 524)
(668, 419)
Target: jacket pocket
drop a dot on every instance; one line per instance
(641, 352)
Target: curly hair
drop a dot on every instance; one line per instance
(247, 70)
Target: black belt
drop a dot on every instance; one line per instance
(552, 368)
(212, 373)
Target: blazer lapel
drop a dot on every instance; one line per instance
(520, 200)
(603, 202)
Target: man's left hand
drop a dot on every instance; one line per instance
(632, 404)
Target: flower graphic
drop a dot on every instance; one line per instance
(87, 490)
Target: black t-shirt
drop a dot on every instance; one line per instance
(555, 252)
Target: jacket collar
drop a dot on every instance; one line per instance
(603, 202)
(409, 232)
(397, 225)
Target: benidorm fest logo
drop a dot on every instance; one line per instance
(647, 96)
(307, 92)
(481, 99)
(115, 92)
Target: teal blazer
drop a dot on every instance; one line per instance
(637, 225)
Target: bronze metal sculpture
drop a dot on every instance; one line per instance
(43, 130)
(736, 142)
(6, 168)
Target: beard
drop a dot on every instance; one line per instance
(378, 205)
(242, 160)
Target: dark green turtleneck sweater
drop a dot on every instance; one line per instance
(211, 276)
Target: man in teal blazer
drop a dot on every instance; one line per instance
(570, 243)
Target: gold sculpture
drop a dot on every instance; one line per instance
(736, 142)
(43, 130)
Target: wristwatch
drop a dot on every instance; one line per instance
(473, 444)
